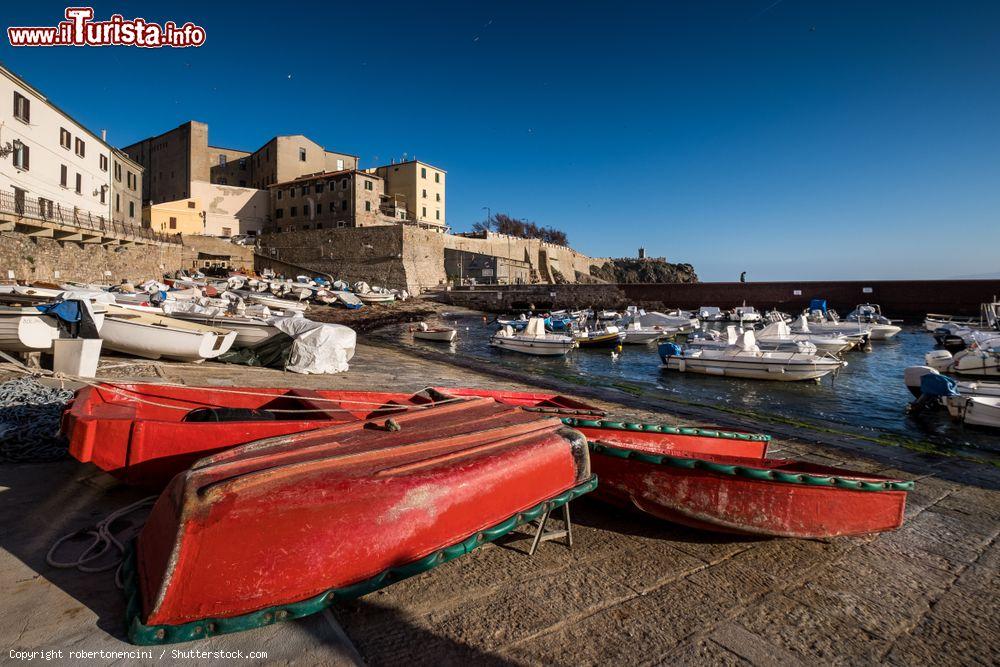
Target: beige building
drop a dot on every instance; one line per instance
(329, 200)
(212, 210)
(283, 158)
(58, 168)
(422, 187)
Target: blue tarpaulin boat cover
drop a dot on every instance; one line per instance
(818, 304)
(669, 350)
(933, 384)
(67, 311)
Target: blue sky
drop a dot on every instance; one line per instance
(799, 139)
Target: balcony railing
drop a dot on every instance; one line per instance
(85, 221)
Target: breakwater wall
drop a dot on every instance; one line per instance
(909, 299)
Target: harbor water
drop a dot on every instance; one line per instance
(868, 396)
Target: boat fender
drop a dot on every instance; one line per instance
(228, 415)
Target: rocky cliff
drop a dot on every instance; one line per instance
(629, 271)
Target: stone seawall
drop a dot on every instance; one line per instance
(28, 258)
(407, 257)
(910, 299)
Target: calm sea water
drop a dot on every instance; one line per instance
(868, 394)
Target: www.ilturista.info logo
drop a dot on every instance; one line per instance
(80, 29)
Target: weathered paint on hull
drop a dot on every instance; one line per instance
(282, 520)
(732, 503)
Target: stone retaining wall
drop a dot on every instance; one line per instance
(28, 258)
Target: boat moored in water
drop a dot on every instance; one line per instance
(533, 340)
(438, 334)
(745, 359)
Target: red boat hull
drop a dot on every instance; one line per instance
(274, 523)
(762, 497)
(137, 432)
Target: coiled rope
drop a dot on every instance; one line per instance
(104, 541)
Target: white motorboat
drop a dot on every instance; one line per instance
(981, 358)
(153, 336)
(607, 315)
(533, 340)
(882, 327)
(711, 314)
(635, 334)
(975, 410)
(712, 339)
(744, 314)
(680, 321)
(438, 334)
(250, 331)
(376, 297)
(26, 329)
(746, 360)
(828, 323)
(778, 333)
(276, 303)
(913, 377)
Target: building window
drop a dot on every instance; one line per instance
(21, 156)
(369, 185)
(118, 172)
(243, 166)
(79, 184)
(104, 163)
(423, 172)
(437, 196)
(22, 107)
(423, 194)
(343, 205)
(63, 175)
(302, 155)
(279, 213)
(173, 223)
(118, 203)
(319, 225)
(293, 211)
(45, 206)
(305, 209)
(104, 193)
(65, 138)
(227, 231)
(131, 180)
(340, 165)
(345, 183)
(279, 194)
(191, 204)
(423, 213)
(437, 177)
(131, 209)
(222, 161)
(19, 195)
(368, 206)
(437, 214)
(80, 147)
(319, 187)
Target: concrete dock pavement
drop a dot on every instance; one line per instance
(632, 590)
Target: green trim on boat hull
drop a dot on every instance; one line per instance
(142, 634)
(761, 474)
(664, 428)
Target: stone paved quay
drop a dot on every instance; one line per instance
(632, 590)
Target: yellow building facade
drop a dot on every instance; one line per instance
(422, 186)
(183, 216)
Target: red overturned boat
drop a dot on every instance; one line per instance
(372, 487)
(723, 481)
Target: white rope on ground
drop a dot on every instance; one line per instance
(104, 541)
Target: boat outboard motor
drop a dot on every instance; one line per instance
(933, 388)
